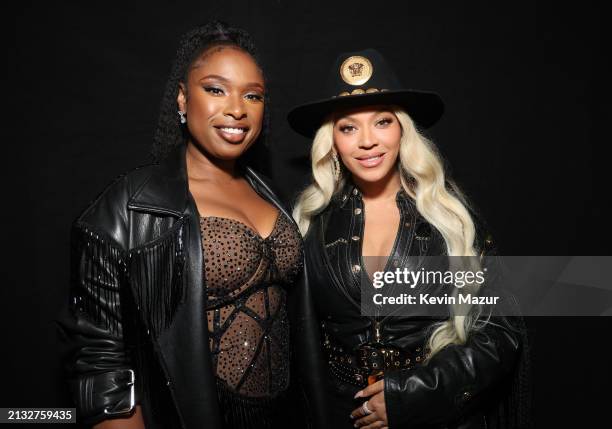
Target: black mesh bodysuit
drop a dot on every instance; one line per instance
(247, 319)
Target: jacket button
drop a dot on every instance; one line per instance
(357, 211)
(467, 396)
(355, 238)
(355, 191)
(356, 269)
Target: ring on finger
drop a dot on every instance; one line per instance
(365, 409)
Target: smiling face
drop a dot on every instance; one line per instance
(223, 99)
(368, 141)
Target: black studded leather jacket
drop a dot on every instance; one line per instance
(137, 330)
(462, 386)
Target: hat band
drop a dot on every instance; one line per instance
(358, 91)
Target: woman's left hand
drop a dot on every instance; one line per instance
(376, 403)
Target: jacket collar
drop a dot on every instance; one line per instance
(166, 190)
(351, 191)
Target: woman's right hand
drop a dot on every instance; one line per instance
(135, 421)
(377, 418)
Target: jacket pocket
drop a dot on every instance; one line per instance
(156, 271)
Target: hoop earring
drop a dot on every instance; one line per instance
(336, 167)
(182, 115)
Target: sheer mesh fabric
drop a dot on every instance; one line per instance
(247, 318)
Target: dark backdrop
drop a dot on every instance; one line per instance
(523, 131)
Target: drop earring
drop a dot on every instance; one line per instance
(182, 115)
(336, 167)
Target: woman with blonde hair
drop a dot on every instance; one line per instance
(380, 200)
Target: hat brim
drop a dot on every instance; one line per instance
(425, 108)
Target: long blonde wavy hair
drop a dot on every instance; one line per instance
(423, 179)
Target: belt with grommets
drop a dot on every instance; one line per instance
(368, 362)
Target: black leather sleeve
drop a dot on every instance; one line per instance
(100, 378)
(456, 379)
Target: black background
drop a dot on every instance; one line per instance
(524, 86)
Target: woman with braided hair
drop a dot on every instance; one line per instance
(180, 268)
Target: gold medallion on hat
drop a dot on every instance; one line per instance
(356, 70)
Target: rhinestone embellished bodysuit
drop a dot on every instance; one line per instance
(245, 276)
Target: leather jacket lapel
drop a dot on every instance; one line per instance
(183, 346)
(330, 236)
(187, 339)
(264, 190)
(167, 189)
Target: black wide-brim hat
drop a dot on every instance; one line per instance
(360, 79)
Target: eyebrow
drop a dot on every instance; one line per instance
(215, 76)
(223, 79)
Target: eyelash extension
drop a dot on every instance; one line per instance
(218, 91)
(213, 89)
(256, 97)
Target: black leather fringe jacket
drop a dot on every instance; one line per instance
(137, 331)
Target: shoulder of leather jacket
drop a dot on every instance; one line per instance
(484, 243)
(320, 219)
(107, 213)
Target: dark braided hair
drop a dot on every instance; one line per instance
(169, 133)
